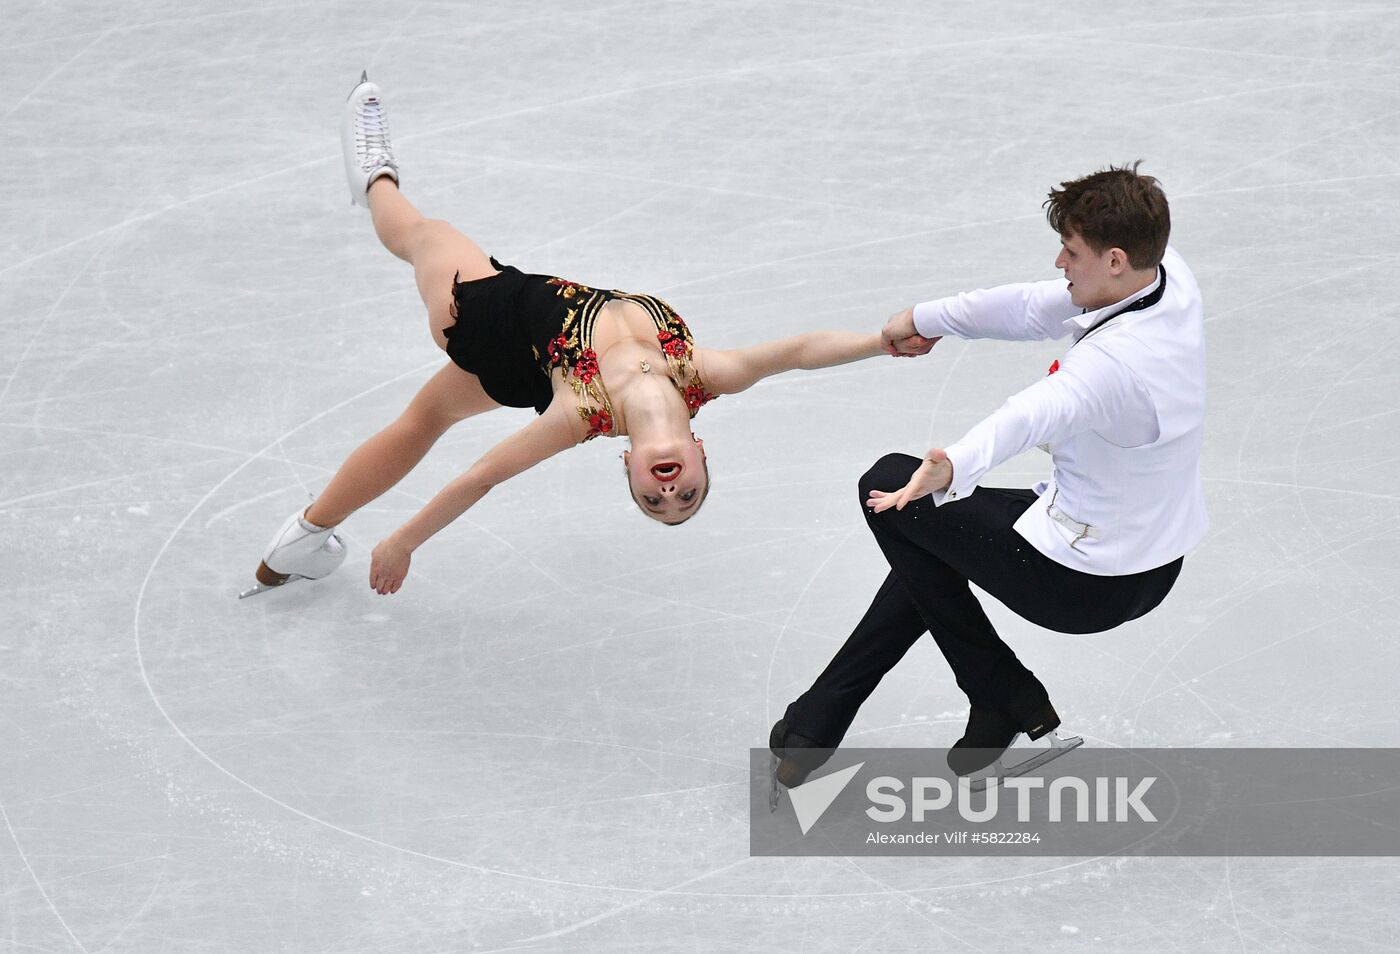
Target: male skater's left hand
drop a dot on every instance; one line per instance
(935, 473)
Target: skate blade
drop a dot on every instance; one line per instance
(775, 788)
(1058, 746)
(261, 587)
(364, 78)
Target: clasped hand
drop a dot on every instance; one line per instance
(901, 339)
(935, 473)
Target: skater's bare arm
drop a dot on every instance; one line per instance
(732, 371)
(555, 430)
(539, 440)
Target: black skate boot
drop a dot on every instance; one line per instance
(797, 755)
(989, 733)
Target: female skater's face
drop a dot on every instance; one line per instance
(669, 481)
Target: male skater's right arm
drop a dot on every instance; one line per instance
(1027, 311)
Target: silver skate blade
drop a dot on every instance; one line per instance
(257, 588)
(775, 790)
(364, 78)
(1058, 746)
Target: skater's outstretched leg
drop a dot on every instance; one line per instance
(386, 458)
(436, 250)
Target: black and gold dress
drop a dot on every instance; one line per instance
(514, 329)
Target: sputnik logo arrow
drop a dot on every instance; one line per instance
(811, 800)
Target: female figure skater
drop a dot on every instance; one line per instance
(589, 361)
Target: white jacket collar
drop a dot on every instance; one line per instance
(1089, 318)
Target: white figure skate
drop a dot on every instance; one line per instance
(364, 135)
(300, 551)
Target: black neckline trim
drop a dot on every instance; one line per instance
(1146, 301)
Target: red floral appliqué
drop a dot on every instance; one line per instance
(556, 350)
(1054, 367)
(586, 368)
(672, 344)
(697, 397)
(599, 422)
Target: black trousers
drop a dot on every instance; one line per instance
(933, 553)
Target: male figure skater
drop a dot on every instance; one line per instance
(1101, 542)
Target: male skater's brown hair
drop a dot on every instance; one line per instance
(1114, 208)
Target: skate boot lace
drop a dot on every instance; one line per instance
(372, 136)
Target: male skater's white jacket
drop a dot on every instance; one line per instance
(1122, 416)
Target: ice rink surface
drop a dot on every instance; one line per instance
(541, 742)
